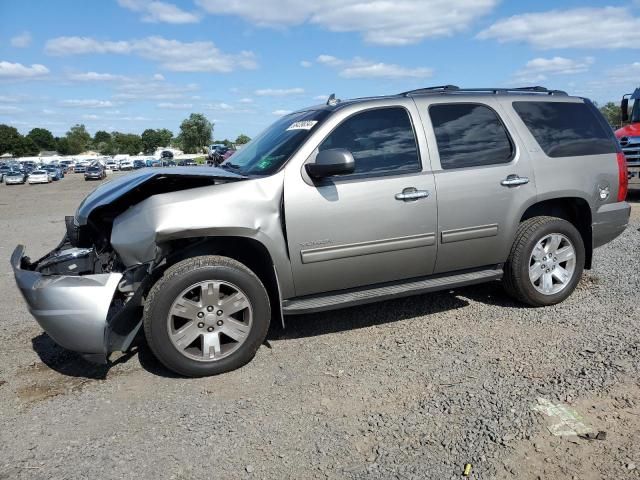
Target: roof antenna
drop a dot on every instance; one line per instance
(332, 100)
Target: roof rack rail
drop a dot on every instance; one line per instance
(444, 89)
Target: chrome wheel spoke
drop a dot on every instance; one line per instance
(547, 282)
(535, 272)
(561, 274)
(234, 304)
(235, 329)
(565, 254)
(211, 341)
(186, 335)
(553, 243)
(210, 293)
(538, 252)
(185, 308)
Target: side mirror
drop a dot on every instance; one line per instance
(624, 109)
(337, 161)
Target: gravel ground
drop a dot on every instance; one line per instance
(411, 388)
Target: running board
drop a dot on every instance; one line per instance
(386, 291)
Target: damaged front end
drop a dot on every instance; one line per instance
(81, 293)
(80, 300)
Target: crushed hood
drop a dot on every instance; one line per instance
(134, 187)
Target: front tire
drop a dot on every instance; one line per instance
(545, 263)
(206, 315)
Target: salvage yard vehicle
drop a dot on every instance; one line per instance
(126, 165)
(39, 176)
(334, 206)
(629, 136)
(95, 172)
(14, 177)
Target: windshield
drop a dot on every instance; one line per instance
(271, 149)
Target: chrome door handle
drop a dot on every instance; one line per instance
(411, 194)
(514, 181)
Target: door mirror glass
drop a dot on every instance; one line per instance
(624, 109)
(336, 161)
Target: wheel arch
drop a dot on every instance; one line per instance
(248, 251)
(575, 210)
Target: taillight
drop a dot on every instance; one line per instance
(623, 177)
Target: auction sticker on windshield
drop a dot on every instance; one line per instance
(303, 125)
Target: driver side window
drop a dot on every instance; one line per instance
(381, 141)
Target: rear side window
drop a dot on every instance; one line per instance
(381, 141)
(565, 129)
(469, 135)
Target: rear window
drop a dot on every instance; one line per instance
(565, 129)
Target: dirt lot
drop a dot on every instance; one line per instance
(413, 388)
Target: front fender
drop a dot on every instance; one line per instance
(249, 208)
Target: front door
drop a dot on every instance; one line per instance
(375, 225)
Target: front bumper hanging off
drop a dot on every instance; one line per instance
(74, 309)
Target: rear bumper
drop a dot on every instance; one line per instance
(610, 221)
(72, 310)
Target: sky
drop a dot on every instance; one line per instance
(128, 65)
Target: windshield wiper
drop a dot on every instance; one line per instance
(229, 165)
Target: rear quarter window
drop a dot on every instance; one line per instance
(565, 129)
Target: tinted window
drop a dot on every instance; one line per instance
(565, 129)
(469, 135)
(381, 141)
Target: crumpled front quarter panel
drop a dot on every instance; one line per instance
(247, 208)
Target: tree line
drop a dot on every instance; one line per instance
(196, 132)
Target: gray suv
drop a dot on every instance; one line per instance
(333, 206)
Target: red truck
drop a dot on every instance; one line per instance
(629, 136)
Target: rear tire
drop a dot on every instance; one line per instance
(216, 301)
(545, 263)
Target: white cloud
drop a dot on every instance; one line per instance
(281, 113)
(382, 22)
(608, 27)
(306, 64)
(278, 92)
(171, 54)
(9, 109)
(10, 70)
(158, 76)
(90, 116)
(329, 60)
(9, 99)
(156, 11)
(246, 100)
(539, 69)
(321, 97)
(175, 106)
(152, 90)
(21, 41)
(86, 103)
(96, 77)
(362, 68)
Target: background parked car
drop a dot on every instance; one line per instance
(39, 176)
(14, 177)
(55, 172)
(138, 164)
(126, 165)
(95, 172)
(80, 168)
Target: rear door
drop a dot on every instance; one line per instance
(483, 180)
